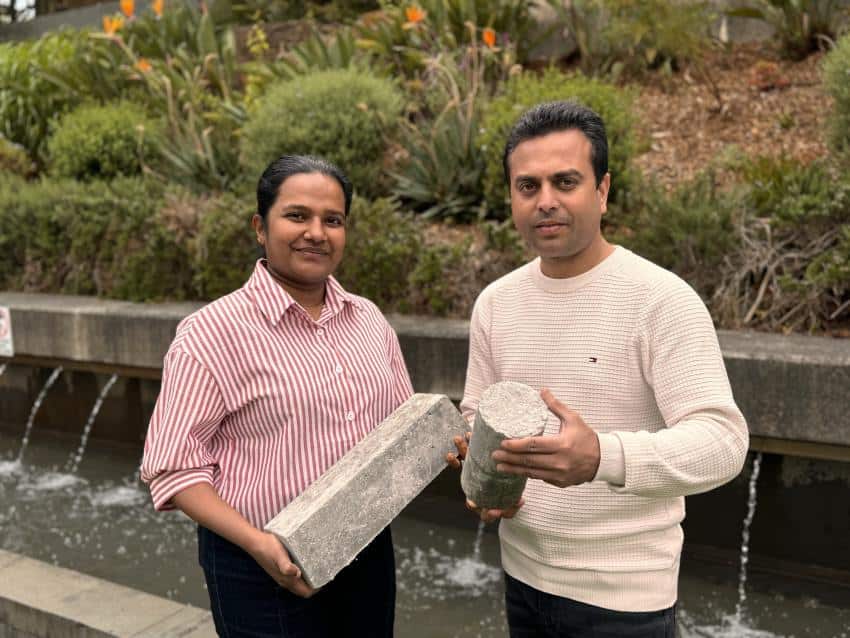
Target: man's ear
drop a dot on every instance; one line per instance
(260, 229)
(602, 191)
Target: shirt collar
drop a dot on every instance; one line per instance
(273, 301)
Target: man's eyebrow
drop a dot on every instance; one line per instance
(570, 174)
(530, 178)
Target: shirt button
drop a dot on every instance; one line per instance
(338, 369)
(320, 331)
(349, 416)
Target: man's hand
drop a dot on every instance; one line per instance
(488, 516)
(462, 445)
(273, 557)
(569, 458)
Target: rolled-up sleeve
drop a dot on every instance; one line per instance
(187, 414)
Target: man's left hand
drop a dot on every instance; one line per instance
(569, 458)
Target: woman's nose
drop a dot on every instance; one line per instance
(315, 229)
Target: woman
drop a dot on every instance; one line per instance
(262, 391)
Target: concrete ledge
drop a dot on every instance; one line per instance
(790, 388)
(42, 601)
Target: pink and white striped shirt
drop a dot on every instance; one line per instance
(259, 400)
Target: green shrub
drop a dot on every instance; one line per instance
(226, 249)
(522, 92)
(441, 176)
(102, 142)
(29, 101)
(836, 76)
(98, 238)
(382, 248)
(688, 231)
(788, 271)
(14, 159)
(437, 281)
(341, 115)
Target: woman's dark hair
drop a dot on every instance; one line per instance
(552, 117)
(288, 165)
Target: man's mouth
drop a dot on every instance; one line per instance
(309, 250)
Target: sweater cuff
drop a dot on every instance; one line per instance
(612, 461)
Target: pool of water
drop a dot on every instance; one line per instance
(99, 521)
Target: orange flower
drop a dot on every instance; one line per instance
(128, 7)
(158, 6)
(414, 14)
(143, 65)
(489, 37)
(112, 24)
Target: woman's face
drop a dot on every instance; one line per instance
(304, 232)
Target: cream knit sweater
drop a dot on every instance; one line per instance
(632, 349)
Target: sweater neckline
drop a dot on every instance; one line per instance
(571, 284)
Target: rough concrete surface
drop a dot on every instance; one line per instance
(43, 601)
(331, 521)
(506, 410)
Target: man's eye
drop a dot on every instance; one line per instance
(335, 221)
(566, 183)
(294, 216)
(524, 187)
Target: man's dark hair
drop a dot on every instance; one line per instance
(552, 117)
(286, 166)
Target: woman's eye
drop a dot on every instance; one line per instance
(335, 221)
(294, 216)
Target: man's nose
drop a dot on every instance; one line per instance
(547, 199)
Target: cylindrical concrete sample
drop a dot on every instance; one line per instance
(507, 410)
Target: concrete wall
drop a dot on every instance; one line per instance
(792, 389)
(38, 600)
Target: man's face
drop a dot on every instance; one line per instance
(555, 202)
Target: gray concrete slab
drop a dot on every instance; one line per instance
(331, 521)
(43, 600)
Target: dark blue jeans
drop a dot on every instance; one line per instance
(536, 614)
(247, 603)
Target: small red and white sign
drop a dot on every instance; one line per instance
(7, 346)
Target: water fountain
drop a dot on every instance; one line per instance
(13, 466)
(74, 460)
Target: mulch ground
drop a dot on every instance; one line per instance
(761, 105)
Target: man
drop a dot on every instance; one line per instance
(645, 413)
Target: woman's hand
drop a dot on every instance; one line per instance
(272, 556)
(462, 446)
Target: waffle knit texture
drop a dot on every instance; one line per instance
(632, 349)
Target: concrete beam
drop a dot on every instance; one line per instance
(338, 515)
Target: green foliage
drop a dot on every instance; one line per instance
(836, 77)
(90, 238)
(522, 92)
(29, 101)
(323, 10)
(405, 36)
(14, 159)
(802, 26)
(619, 36)
(340, 115)
(442, 175)
(436, 280)
(688, 231)
(789, 269)
(102, 142)
(226, 248)
(382, 247)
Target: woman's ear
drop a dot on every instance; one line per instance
(259, 228)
